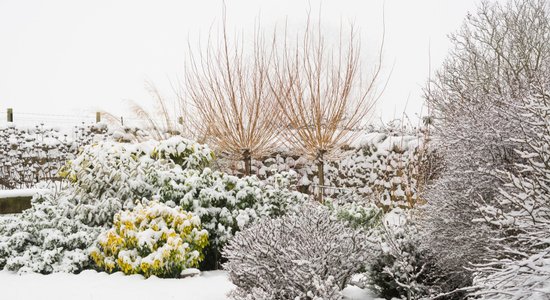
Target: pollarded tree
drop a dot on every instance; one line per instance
(321, 93)
(228, 88)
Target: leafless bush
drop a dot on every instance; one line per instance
(304, 255)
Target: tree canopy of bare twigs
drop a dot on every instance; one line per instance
(228, 87)
(324, 96)
(499, 58)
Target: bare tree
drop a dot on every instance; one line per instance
(321, 93)
(228, 88)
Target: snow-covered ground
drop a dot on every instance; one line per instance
(90, 285)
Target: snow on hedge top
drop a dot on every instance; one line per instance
(181, 151)
(20, 193)
(385, 143)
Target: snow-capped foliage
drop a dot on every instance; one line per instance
(109, 176)
(304, 255)
(152, 239)
(399, 268)
(355, 211)
(44, 239)
(34, 154)
(172, 171)
(523, 278)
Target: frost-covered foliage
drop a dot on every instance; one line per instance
(153, 239)
(106, 178)
(305, 255)
(109, 177)
(44, 239)
(399, 268)
(500, 58)
(34, 154)
(523, 278)
(173, 171)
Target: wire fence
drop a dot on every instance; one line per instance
(70, 120)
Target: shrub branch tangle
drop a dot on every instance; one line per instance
(306, 255)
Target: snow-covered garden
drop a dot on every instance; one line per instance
(229, 204)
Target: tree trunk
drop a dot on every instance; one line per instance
(321, 175)
(247, 158)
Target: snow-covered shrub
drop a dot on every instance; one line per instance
(400, 268)
(44, 239)
(519, 267)
(523, 278)
(105, 178)
(355, 211)
(151, 240)
(304, 255)
(110, 176)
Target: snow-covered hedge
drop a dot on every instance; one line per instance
(44, 238)
(173, 171)
(151, 240)
(304, 255)
(124, 170)
(110, 176)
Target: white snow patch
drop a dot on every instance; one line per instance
(210, 285)
(213, 285)
(20, 193)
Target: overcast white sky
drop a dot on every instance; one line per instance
(73, 57)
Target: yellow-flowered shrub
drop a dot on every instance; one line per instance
(152, 239)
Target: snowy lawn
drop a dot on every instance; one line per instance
(212, 285)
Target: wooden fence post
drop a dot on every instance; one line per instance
(10, 114)
(98, 117)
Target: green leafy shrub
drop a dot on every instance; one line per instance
(151, 240)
